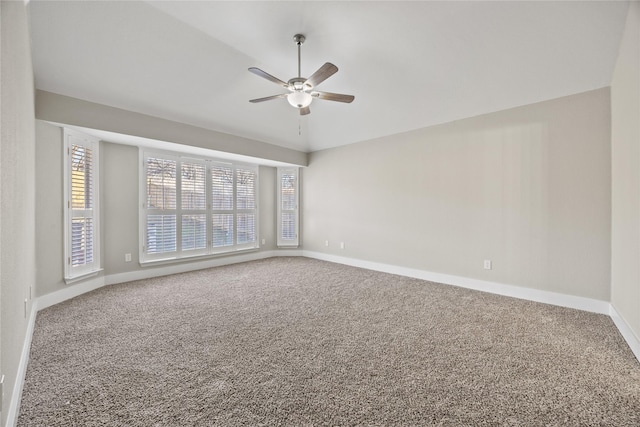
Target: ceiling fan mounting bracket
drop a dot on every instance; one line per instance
(299, 39)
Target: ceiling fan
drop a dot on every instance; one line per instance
(301, 91)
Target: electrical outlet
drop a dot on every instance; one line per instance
(326, 243)
(127, 257)
(341, 245)
(264, 241)
(487, 264)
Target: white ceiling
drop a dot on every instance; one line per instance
(409, 64)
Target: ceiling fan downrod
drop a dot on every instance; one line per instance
(299, 39)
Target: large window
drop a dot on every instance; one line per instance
(82, 219)
(195, 207)
(288, 207)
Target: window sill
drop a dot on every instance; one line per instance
(163, 261)
(83, 276)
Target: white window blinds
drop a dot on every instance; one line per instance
(196, 207)
(161, 206)
(245, 206)
(82, 219)
(222, 220)
(288, 223)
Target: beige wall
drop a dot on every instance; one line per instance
(528, 188)
(120, 181)
(119, 209)
(625, 142)
(17, 192)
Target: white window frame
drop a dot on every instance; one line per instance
(184, 211)
(281, 241)
(144, 212)
(210, 250)
(73, 273)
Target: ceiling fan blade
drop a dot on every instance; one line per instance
(333, 96)
(268, 98)
(323, 73)
(265, 75)
(304, 111)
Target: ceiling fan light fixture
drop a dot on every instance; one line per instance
(299, 99)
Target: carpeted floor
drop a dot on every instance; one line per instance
(301, 342)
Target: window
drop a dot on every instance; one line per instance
(82, 219)
(288, 207)
(195, 207)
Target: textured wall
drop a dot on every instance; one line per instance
(528, 188)
(625, 143)
(17, 192)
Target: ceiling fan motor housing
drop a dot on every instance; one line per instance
(299, 83)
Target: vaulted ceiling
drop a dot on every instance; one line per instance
(409, 64)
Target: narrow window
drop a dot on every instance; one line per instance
(194, 207)
(161, 219)
(222, 213)
(82, 219)
(246, 207)
(288, 223)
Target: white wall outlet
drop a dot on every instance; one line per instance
(127, 257)
(326, 243)
(487, 264)
(341, 245)
(264, 241)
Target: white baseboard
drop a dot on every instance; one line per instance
(553, 298)
(75, 290)
(148, 273)
(626, 331)
(69, 292)
(14, 404)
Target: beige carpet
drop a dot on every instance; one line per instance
(301, 342)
